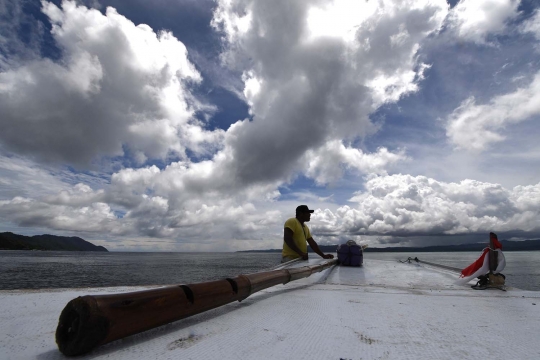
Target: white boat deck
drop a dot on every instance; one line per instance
(384, 310)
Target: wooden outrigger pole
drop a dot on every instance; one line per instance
(93, 320)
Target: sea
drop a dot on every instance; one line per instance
(21, 270)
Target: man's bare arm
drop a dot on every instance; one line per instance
(288, 238)
(315, 248)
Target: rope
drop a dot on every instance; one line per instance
(432, 264)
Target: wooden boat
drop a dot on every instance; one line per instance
(384, 310)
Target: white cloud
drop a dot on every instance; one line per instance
(172, 203)
(96, 217)
(306, 93)
(390, 206)
(476, 127)
(313, 75)
(532, 25)
(117, 85)
(121, 85)
(404, 205)
(22, 177)
(328, 163)
(474, 20)
(307, 88)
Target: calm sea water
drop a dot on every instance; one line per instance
(65, 269)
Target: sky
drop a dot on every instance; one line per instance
(197, 125)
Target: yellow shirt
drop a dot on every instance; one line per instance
(299, 236)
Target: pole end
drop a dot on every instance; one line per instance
(80, 327)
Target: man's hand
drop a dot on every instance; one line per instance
(328, 256)
(304, 256)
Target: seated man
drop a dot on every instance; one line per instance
(297, 235)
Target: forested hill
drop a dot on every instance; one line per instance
(507, 246)
(11, 241)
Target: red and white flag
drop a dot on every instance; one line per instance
(481, 265)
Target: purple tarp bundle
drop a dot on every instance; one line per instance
(350, 254)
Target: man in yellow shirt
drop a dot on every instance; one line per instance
(296, 236)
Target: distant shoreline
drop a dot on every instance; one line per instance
(526, 245)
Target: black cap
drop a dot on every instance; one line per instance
(303, 208)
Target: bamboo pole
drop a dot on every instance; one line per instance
(93, 320)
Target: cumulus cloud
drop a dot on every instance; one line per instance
(390, 206)
(328, 163)
(117, 86)
(149, 202)
(404, 205)
(310, 81)
(476, 127)
(121, 86)
(474, 20)
(313, 74)
(313, 77)
(97, 217)
(80, 209)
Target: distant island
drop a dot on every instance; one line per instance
(526, 245)
(11, 241)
